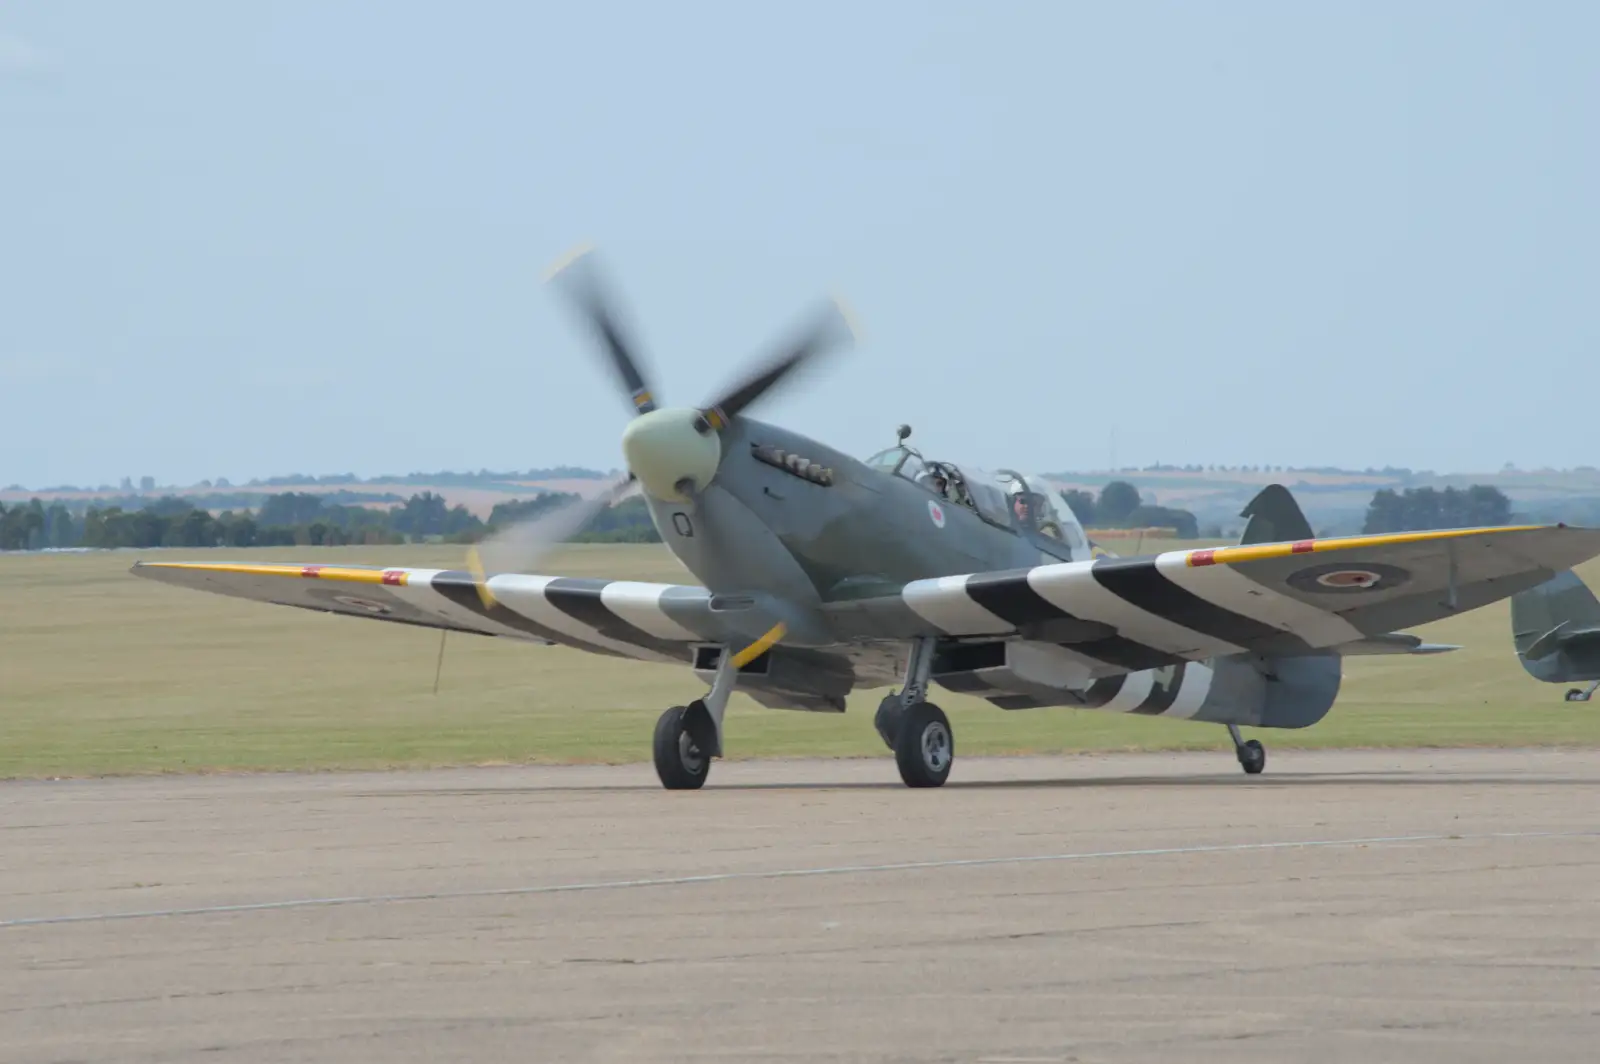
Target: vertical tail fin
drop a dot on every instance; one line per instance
(1555, 629)
(1274, 517)
(1563, 602)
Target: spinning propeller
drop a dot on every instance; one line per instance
(672, 453)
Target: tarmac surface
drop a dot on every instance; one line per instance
(1345, 906)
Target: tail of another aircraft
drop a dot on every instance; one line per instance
(1274, 517)
(1555, 629)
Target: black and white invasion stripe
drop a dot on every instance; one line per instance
(620, 618)
(1132, 614)
(1175, 691)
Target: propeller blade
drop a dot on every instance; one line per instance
(576, 274)
(519, 548)
(833, 327)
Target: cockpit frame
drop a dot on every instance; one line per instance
(1022, 503)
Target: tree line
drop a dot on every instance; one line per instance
(295, 519)
(310, 519)
(307, 519)
(1417, 509)
(1119, 505)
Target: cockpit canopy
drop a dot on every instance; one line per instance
(1007, 498)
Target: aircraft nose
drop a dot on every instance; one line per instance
(669, 457)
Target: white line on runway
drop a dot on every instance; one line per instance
(779, 873)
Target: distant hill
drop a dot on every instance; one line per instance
(479, 492)
(1334, 499)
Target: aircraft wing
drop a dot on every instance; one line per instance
(621, 618)
(1124, 614)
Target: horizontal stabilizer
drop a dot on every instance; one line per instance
(1546, 644)
(1562, 637)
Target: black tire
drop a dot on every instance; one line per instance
(926, 746)
(1575, 695)
(682, 762)
(1253, 757)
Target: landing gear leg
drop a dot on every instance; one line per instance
(1583, 694)
(915, 729)
(1252, 755)
(688, 737)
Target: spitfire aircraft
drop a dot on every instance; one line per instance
(1555, 629)
(821, 574)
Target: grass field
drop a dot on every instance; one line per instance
(103, 673)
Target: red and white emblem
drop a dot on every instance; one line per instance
(936, 512)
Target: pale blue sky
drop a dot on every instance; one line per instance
(245, 239)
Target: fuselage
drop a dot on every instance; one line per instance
(790, 515)
(805, 529)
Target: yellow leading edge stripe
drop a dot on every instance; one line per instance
(1232, 555)
(340, 573)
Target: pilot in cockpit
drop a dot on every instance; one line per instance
(1019, 507)
(1033, 513)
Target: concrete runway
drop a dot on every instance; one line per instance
(1438, 906)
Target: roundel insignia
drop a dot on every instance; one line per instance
(936, 512)
(361, 603)
(1357, 578)
(1348, 578)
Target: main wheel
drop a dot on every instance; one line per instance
(683, 758)
(1576, 695)
(1253, 757)
(926, 747)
